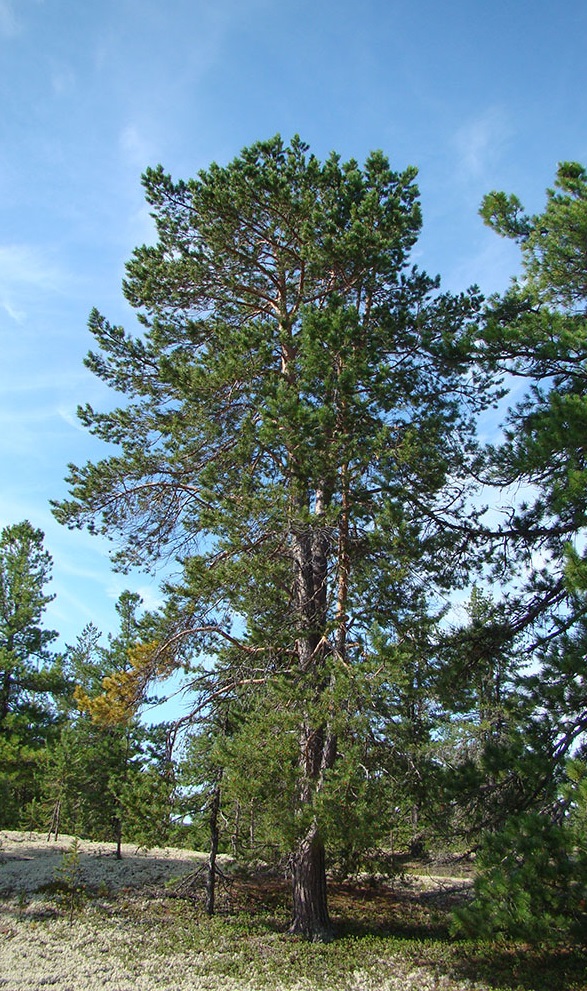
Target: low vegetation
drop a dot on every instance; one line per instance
(141, 924)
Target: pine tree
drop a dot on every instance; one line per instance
(532, 871)
(537, 333)
(297, 429)
(107, 776)
(30, 675)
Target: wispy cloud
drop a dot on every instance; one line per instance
(69, 415)
(19, 316)
(24, 264)
(490, 263)
(24, 268)
(480, 142)
(9, 23)
(149, 592)
(27, 381)
(137, 149)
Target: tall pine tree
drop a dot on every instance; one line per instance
(297, 428)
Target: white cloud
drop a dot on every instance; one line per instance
(21, 264)
(62, 80)
(479, 142)
(39, 381)
(25, 270)
(150, 593)
(69, 415)
(15, 314)
(141, 226)
(489, 263)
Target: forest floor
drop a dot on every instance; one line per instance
(89, 921)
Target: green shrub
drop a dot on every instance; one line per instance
(531, 883)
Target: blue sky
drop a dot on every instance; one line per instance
(478, 94)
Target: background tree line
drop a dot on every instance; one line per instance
(299, 431)
(60, 769)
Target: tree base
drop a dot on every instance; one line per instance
(314, 934)
(310, 907)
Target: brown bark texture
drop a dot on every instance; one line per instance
(310, 903)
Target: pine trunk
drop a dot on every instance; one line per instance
(214, 838)
(118, 837)
(310, 901)
(310, 904)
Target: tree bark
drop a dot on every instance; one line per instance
(309, 891)
(310, 555)
(117, 823)
(310, 908)
(214, 837)
(310, 904)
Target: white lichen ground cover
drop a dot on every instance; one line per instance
(29, 860)
(132, 941)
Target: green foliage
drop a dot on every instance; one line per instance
(532, 883)
(553, 243)
(105, 781)
(531, 875)
(71, 891)
(537, 336)
(298, 428)
(31, 679)
(147, 797)
(538, 331)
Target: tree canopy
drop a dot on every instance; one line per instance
(298, 423)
